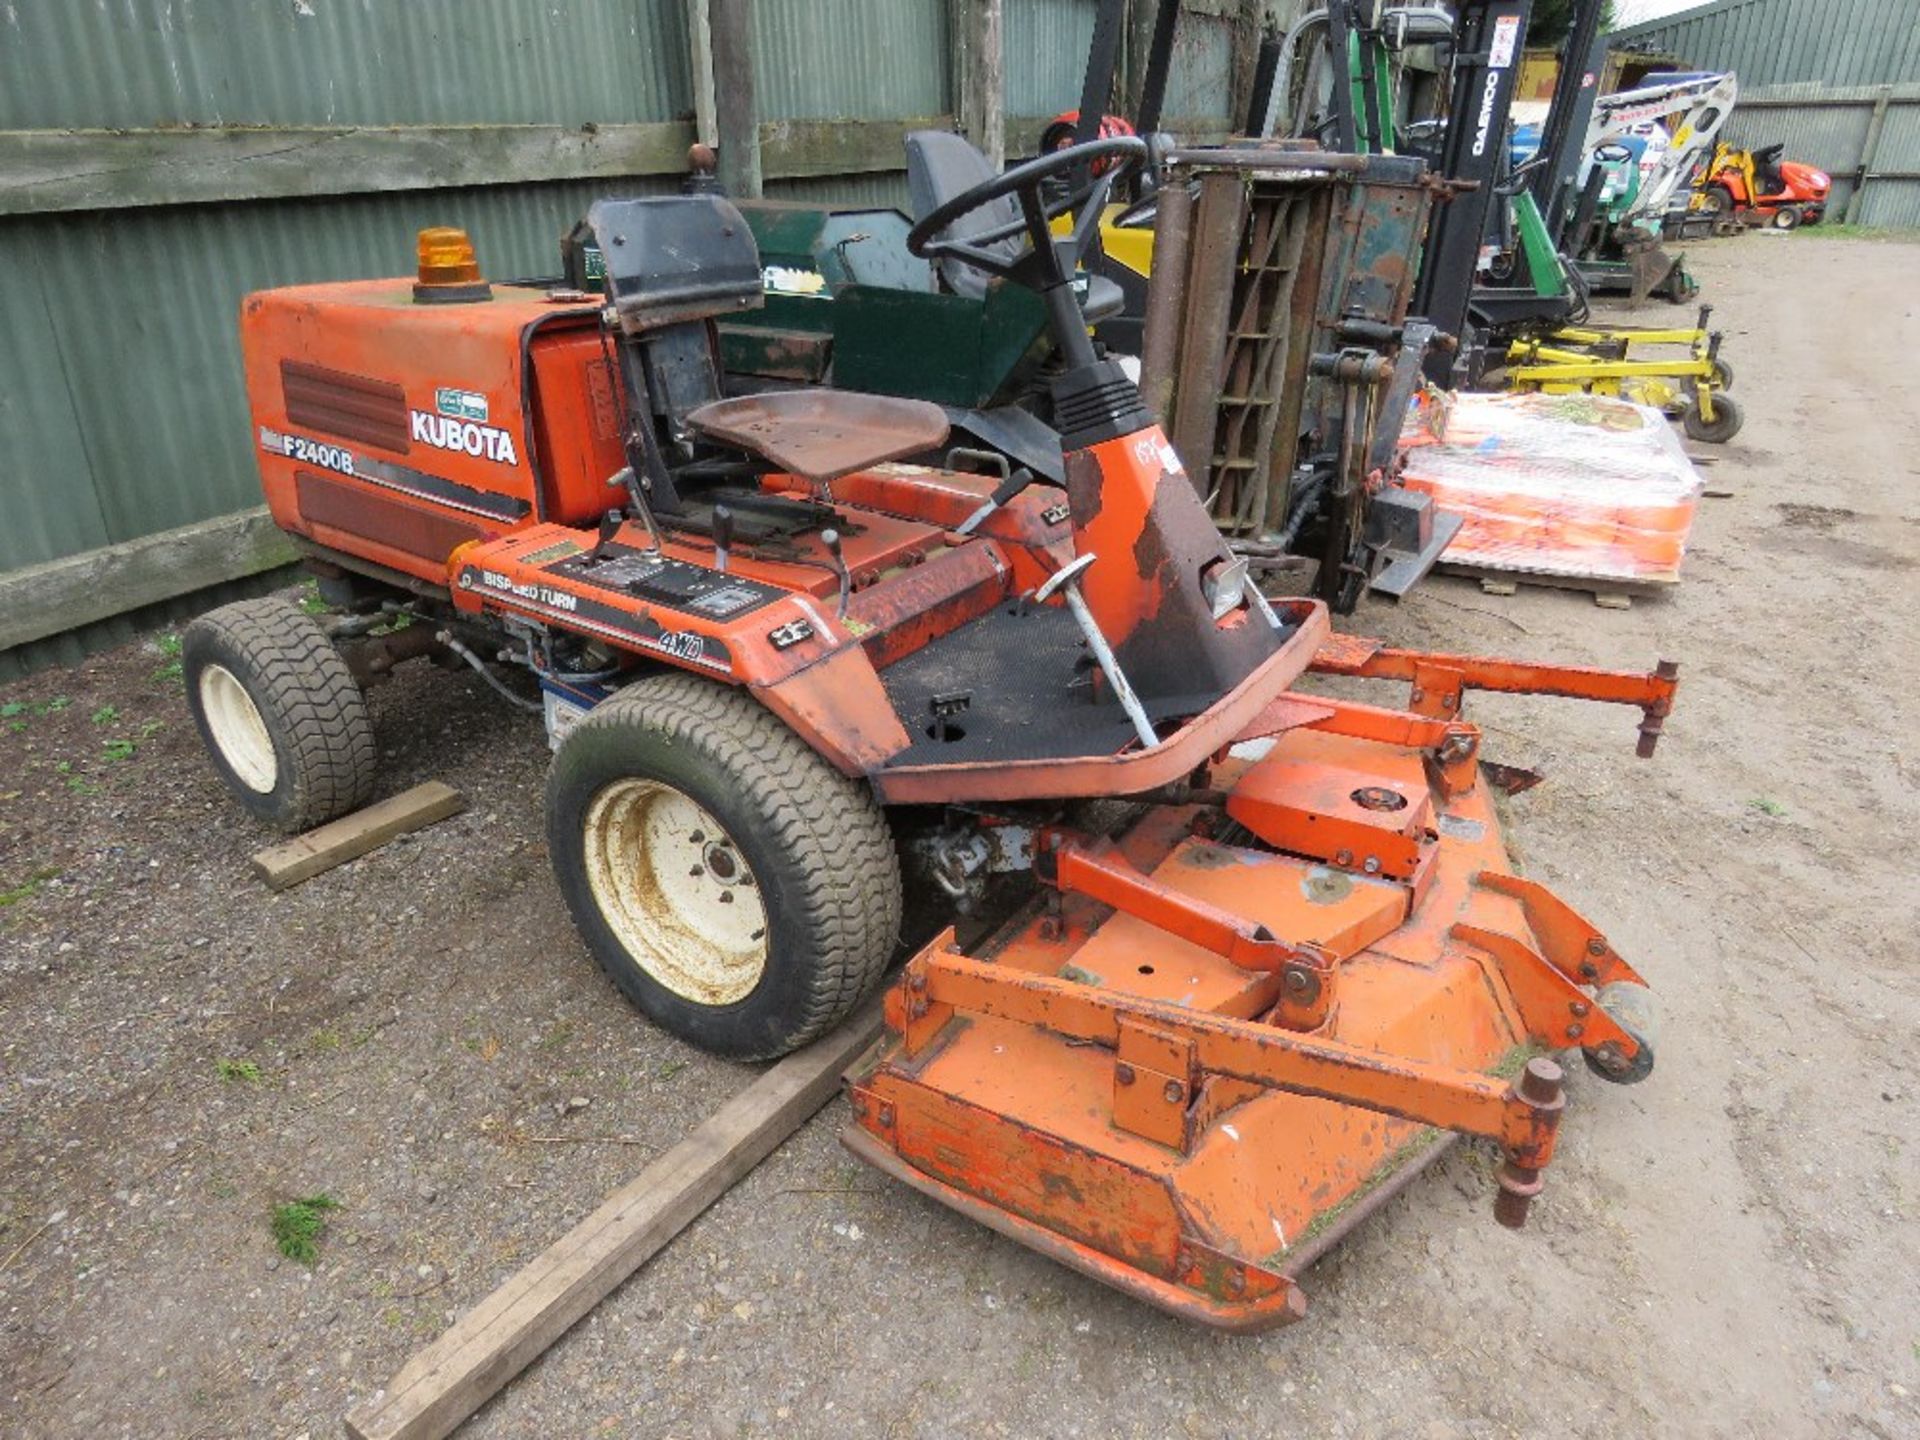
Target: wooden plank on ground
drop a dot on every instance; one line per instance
(43, 600)
(499, 1337)
(351, 836)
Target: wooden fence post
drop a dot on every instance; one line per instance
(737, 112)
(706, 125)
(1869, 152)
(979, 76)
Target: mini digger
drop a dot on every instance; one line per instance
(781, 669)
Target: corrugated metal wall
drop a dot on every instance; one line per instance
(121, 404)
(851, 59)
(1896, 202)
(133, 63)
(1200, 77)
(1783, 42)
(1814, 74)
(1045, 46)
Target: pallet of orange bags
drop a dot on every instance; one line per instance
(1580, 491)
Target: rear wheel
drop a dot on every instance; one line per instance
(279, 712)
(1722, 374)
(740, 891)
(1717, 431)
(1718, 201)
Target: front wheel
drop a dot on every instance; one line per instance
(1717, 431)
(1786, 218)
(741, 892)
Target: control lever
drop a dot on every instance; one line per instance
(722, 537)
(831, 539)
(1066, 580)
(610, 524)
(1002, 493)
(625, 479)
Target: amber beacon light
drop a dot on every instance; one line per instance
(449, 268)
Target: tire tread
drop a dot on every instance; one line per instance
(830, 824)
(304, 680)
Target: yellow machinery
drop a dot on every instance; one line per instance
(1577, 359)
(1574, 359)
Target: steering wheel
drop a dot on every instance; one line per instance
(1042, 263)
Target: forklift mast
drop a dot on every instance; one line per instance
(1570, 114)
(1488, 41)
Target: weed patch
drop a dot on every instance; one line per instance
(299, 1225)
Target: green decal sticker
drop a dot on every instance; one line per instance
(461, 404)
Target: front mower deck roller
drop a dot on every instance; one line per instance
(734, 886)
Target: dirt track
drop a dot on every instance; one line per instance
(1728, 1250)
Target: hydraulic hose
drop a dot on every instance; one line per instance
(445, 637)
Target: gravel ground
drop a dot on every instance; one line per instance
(1729, 1250)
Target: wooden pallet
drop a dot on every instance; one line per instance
(1608, 593)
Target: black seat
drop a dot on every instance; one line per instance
(941, 165)
(673, 264)
(672, 258)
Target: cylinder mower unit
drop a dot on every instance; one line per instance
(773, 662)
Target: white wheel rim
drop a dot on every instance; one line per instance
(675, 890)
(237, 729)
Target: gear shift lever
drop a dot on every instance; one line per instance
(722, 537)
(831, 539)
(610, 524)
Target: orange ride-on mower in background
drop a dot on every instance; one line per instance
(774, 665)
(1759, 187)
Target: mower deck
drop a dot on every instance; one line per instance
(1201, 1056)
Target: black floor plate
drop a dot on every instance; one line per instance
(1017, 667)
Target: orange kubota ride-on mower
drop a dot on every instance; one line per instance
(774, 663)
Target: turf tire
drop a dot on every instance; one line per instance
(315, 717)
(817, 844)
